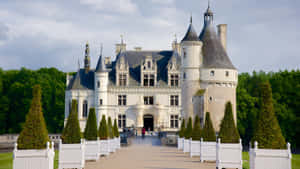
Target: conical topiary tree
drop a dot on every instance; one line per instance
(116, 130)
(34, 134)
(90, 131)
(208, 132)
(196, 133)
(103, 129)
(71, 133)
(228, 131)
(189, 129)
(268, 133)
(182, 129)
(110, 128)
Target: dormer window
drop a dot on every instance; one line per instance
(122, 79)
(174, 81)
(148, 79)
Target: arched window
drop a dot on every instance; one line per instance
(210, 99)
(227, 73)
(212, 73)
(85, 109)
(98, 84)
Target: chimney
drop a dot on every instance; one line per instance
(222, 33)
(138, 49)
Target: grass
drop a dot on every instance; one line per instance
(6, 160)
(295, 161)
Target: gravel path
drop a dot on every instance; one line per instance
(148, 154)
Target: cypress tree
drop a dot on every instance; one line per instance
(110, 128)
(196, 133)
(90, 131)
(103, 130)
(189, 129)
(71, 133)
(208, 132)
(268, 133)
(182, 129)
(228, 132)
(34, 134)
(116, 130)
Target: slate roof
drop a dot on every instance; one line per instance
(191, 34)
(82, 80)
(101, 67)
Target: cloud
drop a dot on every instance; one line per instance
(3, 32)
(114, 6)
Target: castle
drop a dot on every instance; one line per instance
(157, 89)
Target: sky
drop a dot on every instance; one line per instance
(262, 34)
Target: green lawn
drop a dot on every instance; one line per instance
(6, 160)
(295, 161)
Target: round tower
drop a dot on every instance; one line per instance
(191, 54)
(100, 86)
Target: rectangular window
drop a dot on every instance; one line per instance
(101, 102)
(122, 100)
(149, 80)
(174, 100)
(85, 109)
(148, 100)
(174, 121)
(122, 79)
(122, 120)
(174, 80)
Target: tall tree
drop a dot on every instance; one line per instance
(110, 128)
(103, 129)
(189, 129)
(196, 133)
(228, 131)
(182, 129)
(34, 134)
(116, 130)
(90, 131)
(268, 133)
(208, 132)
(71, 133)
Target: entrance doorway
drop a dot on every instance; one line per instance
(148, 122)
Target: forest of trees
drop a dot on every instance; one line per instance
(16, 94)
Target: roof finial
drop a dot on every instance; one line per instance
(121, 38)
(101, 49)
(208, 4)
(191, 18)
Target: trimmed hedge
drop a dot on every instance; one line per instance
(196, 133)
(116, 130)
(71, 133)
(103, 129)
(182, 129)
(90, 131)
(268, 133)
(34, 134)
(189, 129)
(208, 132)
(228, 132)
(110, 128)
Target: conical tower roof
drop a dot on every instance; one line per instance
(77, 83)
(191, 34)
(100, 65)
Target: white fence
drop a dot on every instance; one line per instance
(33, 159)
(104, 147)
(180, 143)
(270, 158)
(186, 145)
(71, 155)
(194, 148)
(92, 150)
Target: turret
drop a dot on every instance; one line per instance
(87, 59)
(190, 69)
(100, 86)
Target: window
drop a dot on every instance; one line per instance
(174, 121)
(174, 80)
(149, 64)
(184, 75)
(174, 100)
(122, 100)
(98, 84)
(227, 73)
(148, 79)
(100, 101)
(84, 109)
(212, 73)
(122, 120)
(184, 53)
(148, 100)
(122, 79)
(210, 98)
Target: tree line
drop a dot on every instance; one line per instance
(16, 94)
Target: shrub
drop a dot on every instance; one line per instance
(268, 133)
(103, 130)
(196, 133)
(71, 133)
(34, 134)
(110, 128)
(228, 132)
(90, 131)
(189, 129)
(116, 130)
(182, 129)
(208, 132)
